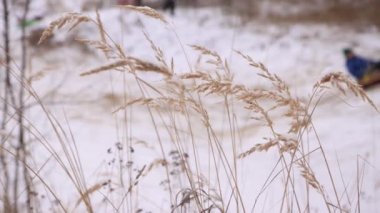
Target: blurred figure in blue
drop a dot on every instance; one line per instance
(359, 67)
(170, 4)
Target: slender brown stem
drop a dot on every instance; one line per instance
(21, 151)
(7, 89)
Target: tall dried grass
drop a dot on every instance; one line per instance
(180, 106)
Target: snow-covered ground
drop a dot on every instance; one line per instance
(301, 54)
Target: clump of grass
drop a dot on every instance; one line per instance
(179, 107)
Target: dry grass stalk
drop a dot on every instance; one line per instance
(168, 103)
(217, 87)
(310, 178)
(75, 18)
(132, 64)
(111, 66)
(176, 88)
(144, 66)
(101, 28)
(281, 95)
(154, 164)
(89, 191)
(158, 52)
(289, 144)
(100, 45)
(147, 11)
(259, 148)
(135, 182)
(172, 104)
(195, 75)
(188, 195)
(141, 101)
(218, 62)
(343, 82)
(37, 76)
(286, 144)
(258, 109)
(104, 45)
(197, 107)
(277, 82)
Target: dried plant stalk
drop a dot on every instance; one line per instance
(343, 82)
(154, 164)
(259, 148)
(75, 18)
(132, 64)
(147, 11)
